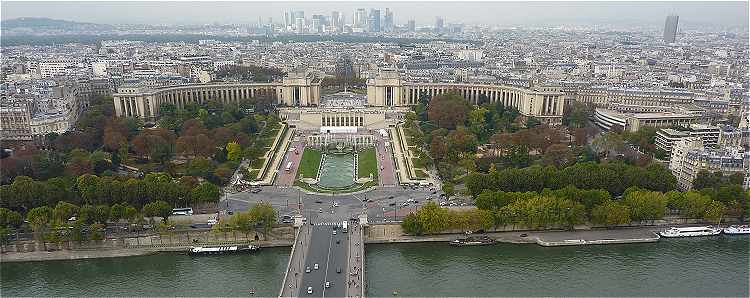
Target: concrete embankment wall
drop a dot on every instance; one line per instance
(143, 244)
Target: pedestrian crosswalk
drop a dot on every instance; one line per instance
(338, 223)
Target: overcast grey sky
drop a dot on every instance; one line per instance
(496, 13)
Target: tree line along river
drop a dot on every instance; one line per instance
(711, 266)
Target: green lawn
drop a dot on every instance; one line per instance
(310, 163)
(368, 164)
(257, 163)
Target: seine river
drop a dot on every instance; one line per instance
(716, 266)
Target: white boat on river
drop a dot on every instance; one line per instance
(690, 232)
(737, 230)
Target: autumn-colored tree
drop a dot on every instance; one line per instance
(193, 127)
(222, 135)
(115, 135)
(438, 148)
(500, 142)
(79, 163)
(204, 146)
(156, 144)
(558, 155)
(223, 173)
(448, 110)
(461, 141)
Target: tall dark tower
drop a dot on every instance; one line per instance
(670, 29)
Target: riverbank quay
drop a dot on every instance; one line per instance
(392, 233)
(130, 245)
(94, 253)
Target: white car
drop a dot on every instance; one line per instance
(316, 266)
(328, 284)
(307, 270)
(309, 290)
(334, 232)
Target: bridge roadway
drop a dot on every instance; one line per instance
(339, 258)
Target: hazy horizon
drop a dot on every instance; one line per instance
(723, 14)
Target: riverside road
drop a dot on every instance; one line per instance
(286, 200)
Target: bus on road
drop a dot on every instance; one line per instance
(182, 211)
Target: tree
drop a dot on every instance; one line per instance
(438, 148)
(115, 135)
(101, 214)
(204, 146)
(130, 214)
(645, 205)
(411, 225)
(39, 219)
(607, 143)
(263, 215)
(432, 218)
(532, 122)
(610, 213)
(117, 212)
(87, 214)
(223, 172)
(10, 219)
(63, 211)
(156, 144)
(501, 142)
(713, 212)
(158, 208)
(25, 194)
(576, 116)
(206, 192)
(99, 163)
(234, 151)
(87, 188)
(48, 164)
(222, 135)
(448, 188)
(200, 167)
(241, 221)
(79, 163)
(558, 155)
(477, 123)
(448, 110)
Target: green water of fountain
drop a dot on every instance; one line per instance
(337, 171)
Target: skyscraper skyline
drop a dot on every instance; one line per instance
(388, 20)
(439, 24)
(373, 22)
(670, 28)
(360, 18)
